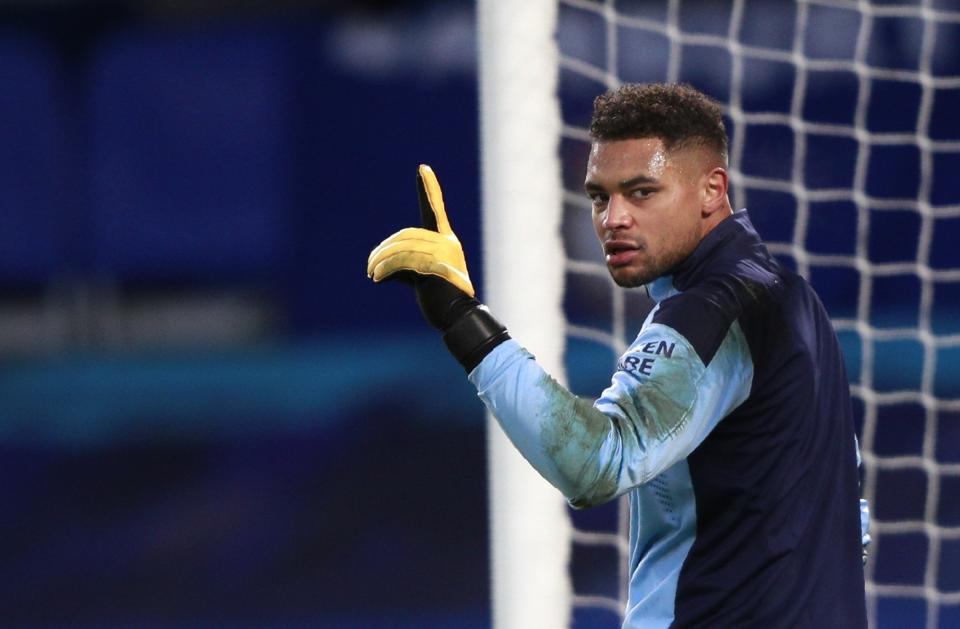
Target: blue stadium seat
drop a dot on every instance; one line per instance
(31, 166)
(189, 153)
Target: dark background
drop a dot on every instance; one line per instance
(208, 414)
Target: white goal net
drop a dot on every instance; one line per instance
(844, 120)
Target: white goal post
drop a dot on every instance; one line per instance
(523, 272)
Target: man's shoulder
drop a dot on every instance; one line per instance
(735, 288)
(704, 313)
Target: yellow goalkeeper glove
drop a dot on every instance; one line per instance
(431, 258)
(431, 250)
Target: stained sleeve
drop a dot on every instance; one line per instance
(663, 400)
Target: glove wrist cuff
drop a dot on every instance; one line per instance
(474, 335)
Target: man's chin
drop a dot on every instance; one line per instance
(629, 278)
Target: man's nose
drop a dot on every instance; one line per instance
(618, 213)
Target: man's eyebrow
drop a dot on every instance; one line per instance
(591, 186)
(639, 179)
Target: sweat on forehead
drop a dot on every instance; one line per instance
(648, 153)
(633, 157)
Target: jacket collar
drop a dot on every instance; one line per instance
(731, 240)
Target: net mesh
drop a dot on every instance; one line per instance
(844, 120)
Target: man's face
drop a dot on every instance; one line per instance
(647, 206)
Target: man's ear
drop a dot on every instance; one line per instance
(714, 190)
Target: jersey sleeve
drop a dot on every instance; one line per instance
(664, 398)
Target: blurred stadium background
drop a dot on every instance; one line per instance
(208, 415)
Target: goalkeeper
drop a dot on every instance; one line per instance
(728, 420)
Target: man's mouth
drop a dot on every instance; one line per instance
(620, 253)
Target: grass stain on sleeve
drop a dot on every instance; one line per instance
(572, 433)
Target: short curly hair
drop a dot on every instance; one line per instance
(678, 114)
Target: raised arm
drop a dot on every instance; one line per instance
(664, 398)
(662, 402)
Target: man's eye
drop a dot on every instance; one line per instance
(598, 200)
(641, 193)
